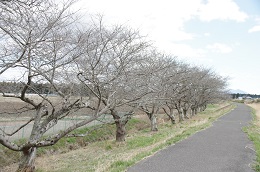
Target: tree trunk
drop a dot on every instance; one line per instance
(204, 107)
(29, 155)
(120, 126)
(180, 115)
(185, 114)
(27, 160)
(120, 131)
(153, 120)
(195, 111)
(171, 116)
(192, 111)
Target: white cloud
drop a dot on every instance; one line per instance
(254, 29)
(158, 19)
(207, 34)
(221, 10)
(219, 48)
(163, 19)
(183, 51)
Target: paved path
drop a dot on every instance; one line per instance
(220, 148)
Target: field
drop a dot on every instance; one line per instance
(13, 115)
(99, 152)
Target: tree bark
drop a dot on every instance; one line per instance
(120, 126)
(180, 115)
(120, 131)
(29, 155)
(170, 115)
(192, 111)
(185, 114)
(204, 107)
(195, 111)
(153, 120)
(172, 118)
(153, 123)
(179, 109)
(27, 160)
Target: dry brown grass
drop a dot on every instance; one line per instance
(256, 106)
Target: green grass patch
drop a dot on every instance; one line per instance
(120, 166)
(7, 156)
(93, 134)
(254, 136)
(212, 106)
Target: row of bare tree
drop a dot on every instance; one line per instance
(118, 70)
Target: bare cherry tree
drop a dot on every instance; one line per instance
(39, 41)
(16, 32)
(158, 66)
(212, 90)
(203, 87)
(111, 70)
(177, 86)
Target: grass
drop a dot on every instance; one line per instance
(99, 152)
(95, 133)
(254, 135)
(7, 156)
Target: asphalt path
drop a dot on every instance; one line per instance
(224, 147)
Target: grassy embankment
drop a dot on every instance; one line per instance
(99, 152)
(253, 132)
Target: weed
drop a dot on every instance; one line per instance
(7, 156)
(254, 136)
(108, 147)
(119, 166)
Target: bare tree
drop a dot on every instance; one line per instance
(110, 70)
(158, 67)
(177, 82)
(39, 42)
(18, 28)
(203, 86)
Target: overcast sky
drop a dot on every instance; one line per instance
(220, 34)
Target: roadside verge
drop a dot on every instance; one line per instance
(253, 132)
